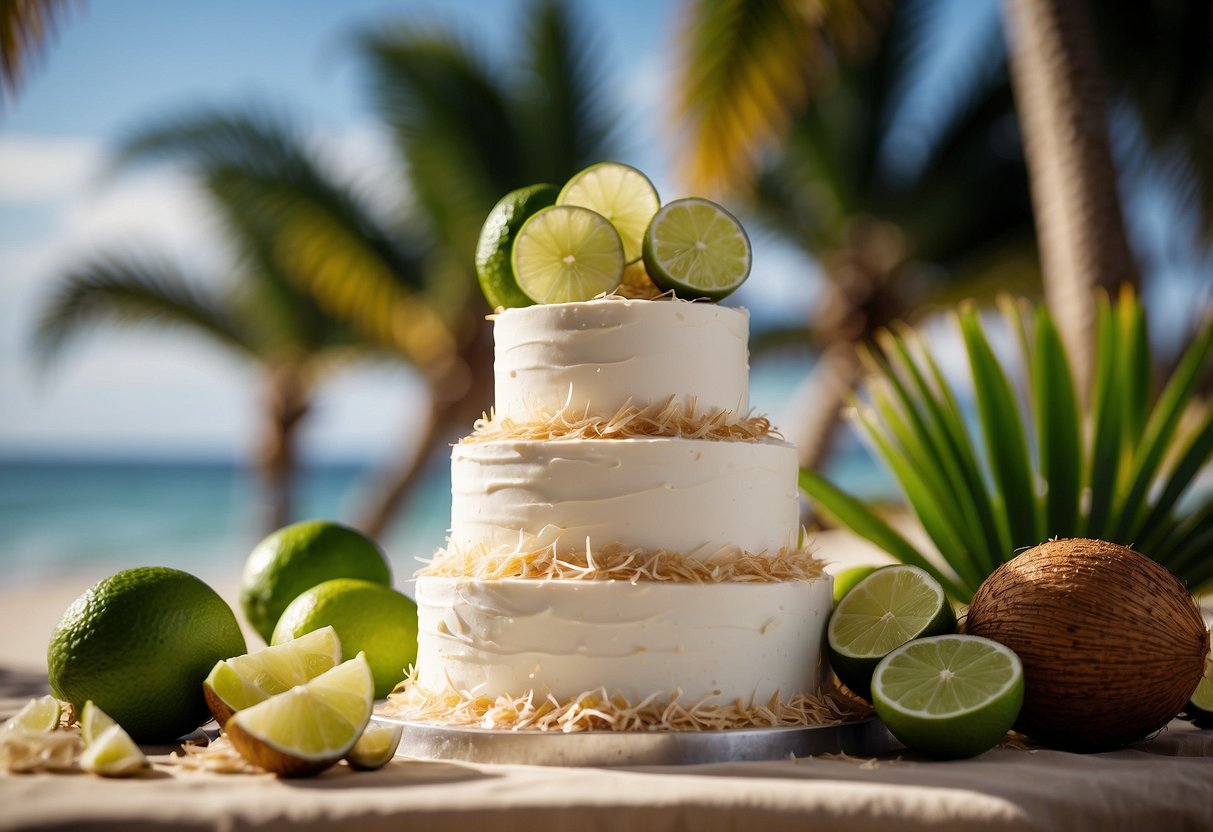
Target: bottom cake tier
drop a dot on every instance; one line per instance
(721, 643)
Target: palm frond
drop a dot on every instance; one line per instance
(1135, 484)
(25, 26)
(567, 122)
(454, 124)
(1159, 59)
(127, 291)
(748, 65)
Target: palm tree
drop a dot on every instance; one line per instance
(291, 225)
(468, 132)
(795, 111)
(754, 72)
(25, 26)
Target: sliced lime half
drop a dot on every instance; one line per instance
(949, 696)
(1200, 706)
(564, 254)
(619, 192)
(697, 249)
(882, 612)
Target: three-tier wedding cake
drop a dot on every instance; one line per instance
(623, 549)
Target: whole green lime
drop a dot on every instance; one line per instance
(139, 644)
(368, 617)
(497, 235)
(295, 558)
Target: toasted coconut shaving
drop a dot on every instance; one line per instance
(868, 763)
(598, 711)
(22, 750)
(672, 418)
(218, 756)
(618, 562)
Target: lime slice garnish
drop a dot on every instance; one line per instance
(497, 238)
(949, 696)
(235, 684)
(112, 753)
(309, 727)
(882, 612)
(622, 194)
(93, 723)
(376, 747)
(38, 715)
(697, 249)
(564, 254)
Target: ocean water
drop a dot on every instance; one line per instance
(70, 516)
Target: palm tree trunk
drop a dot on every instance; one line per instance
(1063, 114)
(286, 405)
(453, 409)
(818, 402)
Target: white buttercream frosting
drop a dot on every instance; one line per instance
(722, 642)
(596, 356)
(684, 495)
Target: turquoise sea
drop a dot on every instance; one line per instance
(95, 516)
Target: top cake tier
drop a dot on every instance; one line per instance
(596, 356)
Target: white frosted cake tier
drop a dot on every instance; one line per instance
(726, 642)
(597, 355)
(691, 496)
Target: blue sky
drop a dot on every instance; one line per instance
(123, 61)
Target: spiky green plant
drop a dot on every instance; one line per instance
(1038, 464)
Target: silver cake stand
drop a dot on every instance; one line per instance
(423, 740)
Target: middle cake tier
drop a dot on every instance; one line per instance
(691, 496)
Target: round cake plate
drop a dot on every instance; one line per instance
(422, 740)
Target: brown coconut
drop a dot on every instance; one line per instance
(1112, 644)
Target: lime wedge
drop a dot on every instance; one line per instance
(38, 716)
(622, 194)
(235, 684)
(696, 249)
(93, 723)
(565, 254)
(310, 727)
(376, 747)
(1200, 706)
(949, 696)
(882, 612)
(497, 238)
(112, 753)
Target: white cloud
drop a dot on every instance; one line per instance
(40, 169)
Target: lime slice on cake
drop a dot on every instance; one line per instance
(696, 249)
(622, 194)
(309, 727)
(239, 683)
(497, 239)
(949, 696)
(882, 612)
(37, 716)
(564, 254)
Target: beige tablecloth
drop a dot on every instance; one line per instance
(1164, 784)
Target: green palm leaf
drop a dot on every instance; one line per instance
(139, 291)
(25, 26)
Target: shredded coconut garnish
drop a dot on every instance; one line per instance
(22, 750)
(598, 711)
(618, 562)
(218, 756)
(671, 418)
